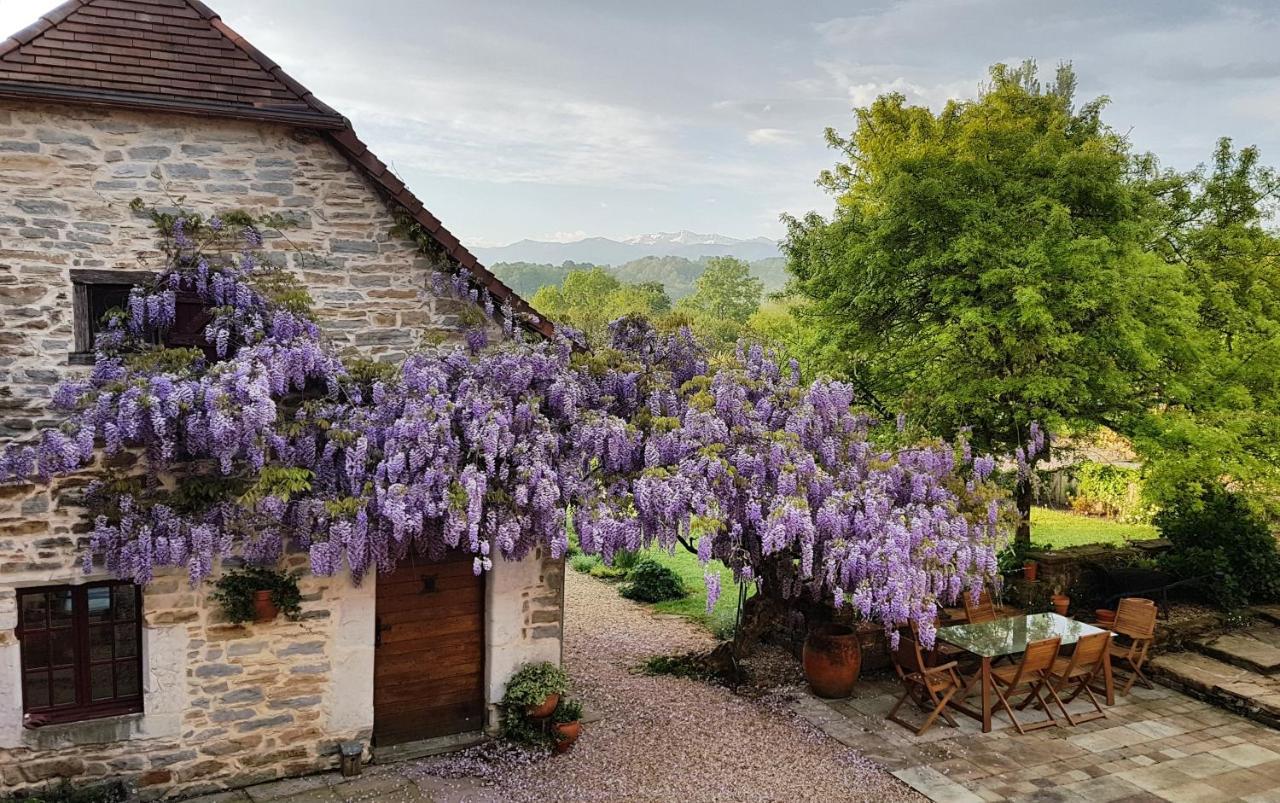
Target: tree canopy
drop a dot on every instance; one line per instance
(988, 266)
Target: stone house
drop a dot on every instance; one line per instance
(102, 101)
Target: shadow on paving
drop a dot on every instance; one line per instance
(1154, 745)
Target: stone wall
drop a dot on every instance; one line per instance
(224, 705)
(67, 176)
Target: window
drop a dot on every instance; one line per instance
(97, 292)
(81, 651)
(94, 294)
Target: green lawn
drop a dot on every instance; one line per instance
(1057, 528)
(1061, 528)
(685, 563)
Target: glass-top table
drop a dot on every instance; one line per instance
(1009, 636)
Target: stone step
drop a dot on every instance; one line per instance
(1270, 613)
(1257, 648)
(1235, 688)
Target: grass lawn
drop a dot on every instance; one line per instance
(694, 606)
(1058, 528)
(1061, 528)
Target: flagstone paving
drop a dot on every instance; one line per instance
(1154, 745)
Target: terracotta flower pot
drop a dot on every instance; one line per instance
(566, 734)
(1105, 617)
(1060, 604)
(1031, 570)
(264, 610)
(545, 708)
(832, 660)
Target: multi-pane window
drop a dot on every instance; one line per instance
(81, 651)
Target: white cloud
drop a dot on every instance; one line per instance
(771, 136)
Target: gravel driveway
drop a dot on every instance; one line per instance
(665, 738)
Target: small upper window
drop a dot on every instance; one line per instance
(94, 294)
(97, 292)
(81, 649)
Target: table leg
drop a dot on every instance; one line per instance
(1110, 683)
(986, 695)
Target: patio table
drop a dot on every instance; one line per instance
(990, 640)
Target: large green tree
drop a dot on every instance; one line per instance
(1222, 421)
(589, 299)
(988, 266)
(724, 298)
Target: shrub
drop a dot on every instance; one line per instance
(1217, 532)
(653, 582)
(234, 591)
(583, 563)
(1114, 491)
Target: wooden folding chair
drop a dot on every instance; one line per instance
(1135, 628)
(1079, 671)
(929, 687)
(1032, 673)
(981, 611)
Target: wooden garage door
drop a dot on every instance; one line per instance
(428, 668)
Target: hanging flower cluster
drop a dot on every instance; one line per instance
(265, 441)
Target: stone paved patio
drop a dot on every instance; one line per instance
(1154, 745)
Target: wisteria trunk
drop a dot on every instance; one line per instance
(1024, 497)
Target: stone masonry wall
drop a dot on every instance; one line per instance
(67, 176)
(224, 705)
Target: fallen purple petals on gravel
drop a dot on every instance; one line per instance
(664, 738)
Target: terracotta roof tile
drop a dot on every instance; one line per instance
(179, 56)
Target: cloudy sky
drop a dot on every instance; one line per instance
(555, 119)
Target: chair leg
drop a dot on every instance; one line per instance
(1053, 692)
(1137, 675)
(942, 704)
(1031, 695)
(1005, 702)
(1084, 686)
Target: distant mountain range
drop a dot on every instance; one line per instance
(603, 251)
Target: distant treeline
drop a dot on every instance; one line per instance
(677, 275)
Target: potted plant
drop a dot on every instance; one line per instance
(832, 660)
(1061, 602)
(1030, 570)
(535, 690)
(258, 594)
(566, 724)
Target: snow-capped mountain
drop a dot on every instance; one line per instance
(604, 251)
(684, 237)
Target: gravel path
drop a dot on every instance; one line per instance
(665, 738)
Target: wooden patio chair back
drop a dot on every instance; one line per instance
(908, 658)
(1032, 674)
(1078, 672)
(1089, 652)
(1136, 618)
(981, 611)
(930, 687)
(1136, 625)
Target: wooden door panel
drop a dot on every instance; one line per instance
(428, 676)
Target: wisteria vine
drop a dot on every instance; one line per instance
(488, 448)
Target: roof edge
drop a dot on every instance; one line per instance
(134, 100)
(359, 155)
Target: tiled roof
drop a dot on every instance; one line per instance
(179, 56)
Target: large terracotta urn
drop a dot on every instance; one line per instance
(832, 660)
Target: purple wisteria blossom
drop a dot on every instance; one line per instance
(488, 448)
